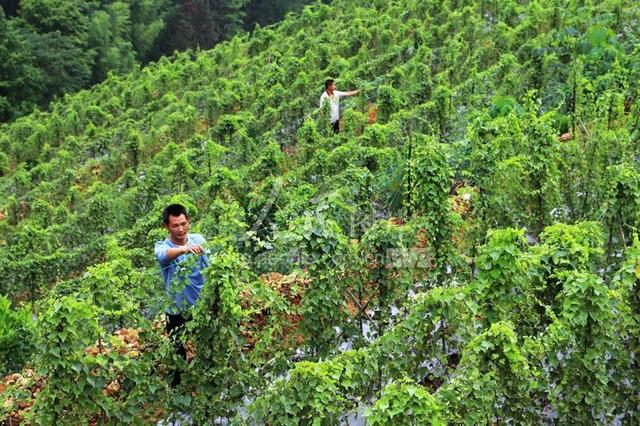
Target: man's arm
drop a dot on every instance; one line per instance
(174, 252)
(166, 254)
(340, 94)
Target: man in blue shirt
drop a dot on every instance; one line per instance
(173, 253)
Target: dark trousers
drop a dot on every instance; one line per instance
(336, 126)
(175, 328)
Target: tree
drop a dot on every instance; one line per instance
(53, 56)
(64, 61)
(265, 12)
(200, 24)
(67, 17)
(148, 19)
(10, 6)
(109, 36)
(20, 79)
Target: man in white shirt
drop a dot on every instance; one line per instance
(334, 96)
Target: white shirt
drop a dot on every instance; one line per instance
(335, 104)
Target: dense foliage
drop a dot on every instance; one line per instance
(464, 251)
(49, 48)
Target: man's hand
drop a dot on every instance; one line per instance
(193, 248)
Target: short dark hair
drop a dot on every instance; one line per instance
(328, 83)
(173, 210)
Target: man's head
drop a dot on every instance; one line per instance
(329, 85)
(176, 220)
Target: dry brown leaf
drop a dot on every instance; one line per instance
(12, 378)
(372, 113)
(8, 403)
(565, 137)
(112, 388)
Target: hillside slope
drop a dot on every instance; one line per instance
(481, 126)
